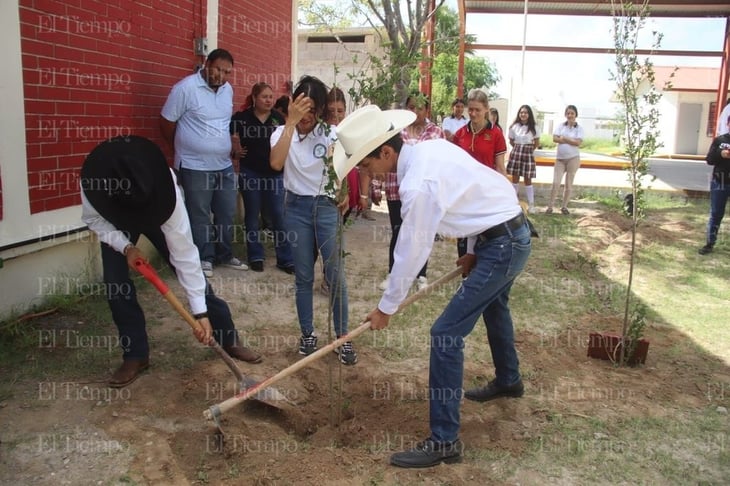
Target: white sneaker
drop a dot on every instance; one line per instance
(235, 263)
(207, 268)
(422, 283)
(531, 210)
(385, 283)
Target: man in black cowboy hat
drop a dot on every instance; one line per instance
(128, 190)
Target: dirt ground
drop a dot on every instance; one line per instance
(342, 422)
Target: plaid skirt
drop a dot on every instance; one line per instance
(522, 161)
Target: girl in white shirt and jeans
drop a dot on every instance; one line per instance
(312, 209)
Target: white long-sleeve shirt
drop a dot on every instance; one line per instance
(184, 254)
(442, 190)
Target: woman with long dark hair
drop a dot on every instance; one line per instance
(524, 137)
(312, 209)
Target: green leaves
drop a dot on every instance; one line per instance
(636, 90)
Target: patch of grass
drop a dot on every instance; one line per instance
(66, 343)
(71, 334)
(646, 449)
(598, 145)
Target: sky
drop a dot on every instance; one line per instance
(553, 80)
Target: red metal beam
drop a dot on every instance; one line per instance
(590, 50)
(724, 72)
(429, 52)
(462, 38)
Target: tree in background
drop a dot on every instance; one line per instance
(384, 81)
(478, 71)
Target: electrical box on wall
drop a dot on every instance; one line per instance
(200, 46)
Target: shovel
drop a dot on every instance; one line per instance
(215, 411)
(270, 396)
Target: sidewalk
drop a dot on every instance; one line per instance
(690, 176)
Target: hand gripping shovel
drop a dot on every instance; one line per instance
(215, 411)
(270, 396)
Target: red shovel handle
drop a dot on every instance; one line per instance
(149, 273)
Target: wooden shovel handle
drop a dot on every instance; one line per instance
(216, 410)
(152, 277)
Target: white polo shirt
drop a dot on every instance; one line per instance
(451, 124)
(442, 190)
(304, 170)
(565, 150)
(521, 134)
(202, 138)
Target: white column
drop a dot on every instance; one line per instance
(15, 225)
(212, 24)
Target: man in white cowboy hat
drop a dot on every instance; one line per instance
(444, 190)
(128, 190)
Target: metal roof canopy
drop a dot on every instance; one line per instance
(658, 8)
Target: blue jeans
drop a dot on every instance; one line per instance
(264, 195)
(314, 221)
(127, 313)
(719, 194)
(484, 292)
(209, 192)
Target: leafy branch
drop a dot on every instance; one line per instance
(637, 92)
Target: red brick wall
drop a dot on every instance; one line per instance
(94, 69)
(258, 34)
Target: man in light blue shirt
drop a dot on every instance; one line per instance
(194, 121)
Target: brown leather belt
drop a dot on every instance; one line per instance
(502, 229)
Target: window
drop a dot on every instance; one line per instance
(712, 120)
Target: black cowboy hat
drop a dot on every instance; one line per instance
(128, 182)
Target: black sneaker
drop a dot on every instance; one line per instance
(257, 266)
(347, 353)
(492, 391)
(307, 344)
(429, 453)
(289, 269)
(705, 249)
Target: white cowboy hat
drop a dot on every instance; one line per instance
(362, 131)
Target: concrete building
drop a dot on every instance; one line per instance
(341, 59)
(688, 108)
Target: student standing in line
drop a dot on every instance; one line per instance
(569, 137)
(456, 120)
(481, 139)
(524, 138)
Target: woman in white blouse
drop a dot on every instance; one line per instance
(569, 137)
